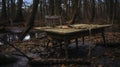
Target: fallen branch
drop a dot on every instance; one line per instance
(16, 49)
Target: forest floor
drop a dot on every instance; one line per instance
(101, 56)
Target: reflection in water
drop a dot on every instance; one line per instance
(21, 62)
(13, 37)
(1, 43)
(27, 37)
(10, 38)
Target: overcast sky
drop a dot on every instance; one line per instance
(28, 0)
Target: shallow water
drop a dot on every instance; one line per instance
(21, 62)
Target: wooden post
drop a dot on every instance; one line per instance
(76, 41)
(103, 36)
(83, 40)
(66, 48)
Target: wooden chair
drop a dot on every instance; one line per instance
(53, 20)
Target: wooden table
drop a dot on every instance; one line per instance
(75, 31)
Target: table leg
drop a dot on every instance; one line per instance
(83, 40)
(66, 48)
(61, 46)
(76, 41)
(103, 36)
(47, 43)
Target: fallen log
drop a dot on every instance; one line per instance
(37, 61)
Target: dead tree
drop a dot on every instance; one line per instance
(19, 15)
(4, 16)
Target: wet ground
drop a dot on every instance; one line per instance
(100, 56)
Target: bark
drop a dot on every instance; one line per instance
(99, 9)
(85, 9)
(92, 11)
(19, 15)
(8, 8)
(109, 9)
(4, 12)
(115, 9)
(75, 12)
(64, 14)
(58, 7)
(51, 7)
(12, 9)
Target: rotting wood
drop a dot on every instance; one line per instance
(39, 61)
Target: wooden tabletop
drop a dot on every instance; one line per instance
(74, 28)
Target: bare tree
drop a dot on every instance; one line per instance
(31, 19)
(75, 12)
(19, 15)
(51, 7)
(92, 10)
(12, 9)
(4, 15)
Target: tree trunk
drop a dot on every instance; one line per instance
(19, 15)
(85, 9)
(75, 12)
(92, 10)
(51, 7)
(31, 19)
(12, 9)
(4, 12)
(99, 9)
(111, 14)
(109, 9)
(58, 7)
(115, 9)
(8, 8)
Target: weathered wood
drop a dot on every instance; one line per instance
(39, 61)
(68, 34)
